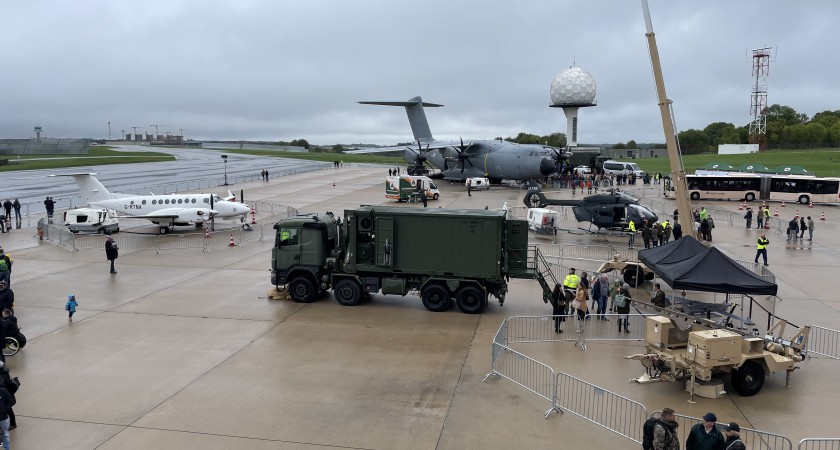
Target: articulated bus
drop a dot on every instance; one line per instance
(749, 186)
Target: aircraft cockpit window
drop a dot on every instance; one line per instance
(287, 237)
(216, 198)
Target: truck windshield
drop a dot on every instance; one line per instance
(287, 237)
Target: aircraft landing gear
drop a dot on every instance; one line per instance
(164, 229)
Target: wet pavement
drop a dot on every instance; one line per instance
(184, 349)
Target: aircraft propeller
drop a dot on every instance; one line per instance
(420, 159)
(461, 150)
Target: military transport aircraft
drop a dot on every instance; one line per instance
(612, 210)
(496, 160)
(166, 210)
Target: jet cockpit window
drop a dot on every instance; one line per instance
(287, 237)
(216, 198)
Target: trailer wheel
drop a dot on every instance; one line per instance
(632, 277)
(347, 292)
(302, 290)
(748, 379)
(436, 298)
(471, 300)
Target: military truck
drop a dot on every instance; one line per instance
(700, 355)
(440, 254)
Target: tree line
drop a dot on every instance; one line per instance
(786, 128)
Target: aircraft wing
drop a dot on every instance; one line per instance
(402, 148)
(176, 213)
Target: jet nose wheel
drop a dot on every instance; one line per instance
(164, 230)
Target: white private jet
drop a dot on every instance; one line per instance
(166, 210)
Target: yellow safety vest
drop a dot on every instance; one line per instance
(632, 226)
(762, 243)
(571, 281)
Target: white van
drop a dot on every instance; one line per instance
(542, 220)
(91, 220)
(477, 183)
(622, 168)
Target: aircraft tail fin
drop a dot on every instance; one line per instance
(91, 189)
(416, 116)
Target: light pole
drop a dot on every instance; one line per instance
(224, 157)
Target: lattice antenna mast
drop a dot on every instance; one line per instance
(758, 98)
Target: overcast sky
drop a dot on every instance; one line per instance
(281, 70)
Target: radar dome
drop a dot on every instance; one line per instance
(573, 87)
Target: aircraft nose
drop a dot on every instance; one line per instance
(547, 166)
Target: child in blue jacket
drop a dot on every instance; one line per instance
(70, 307)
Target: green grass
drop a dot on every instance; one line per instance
(97, 156)
(823, 163)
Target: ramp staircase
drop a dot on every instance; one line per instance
(537, 268)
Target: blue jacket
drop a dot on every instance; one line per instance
(71, 304)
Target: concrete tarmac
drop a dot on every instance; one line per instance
(184, 350)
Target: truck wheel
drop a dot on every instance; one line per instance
(436, 298)
(471, 300)
(748, 379)
(302, 290)
(347, 292)
(101, 231)
(633, 278)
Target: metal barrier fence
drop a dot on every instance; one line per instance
(612, 411)
(824, 342)
(819, 444)
(752, 439)
(577, 251)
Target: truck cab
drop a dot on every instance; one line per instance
(302, 245)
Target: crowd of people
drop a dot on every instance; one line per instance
(6, 215)
(9, 328)
(572, 299)
(660, 433)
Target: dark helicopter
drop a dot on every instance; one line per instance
(612, 210)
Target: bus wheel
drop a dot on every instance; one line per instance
(750, 196)
(471, 300)
(436, 298)
(695, 196)
(347, 292)
(803, 199)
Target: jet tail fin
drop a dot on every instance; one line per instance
(91, 189)
(416, 116)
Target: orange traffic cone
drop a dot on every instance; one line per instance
(822, 216)
(776, 213)
(763, 204)
(810, 204)
(231, 243)
(783, 203)
(253, 216)
(206, 233)
(741, 206)
(797, 214)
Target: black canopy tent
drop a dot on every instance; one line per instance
(678, 250)
(712, 271)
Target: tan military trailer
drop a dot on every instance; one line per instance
(701, 356)
(633, 273)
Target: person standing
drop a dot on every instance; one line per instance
(658, 298)
(70, 307)
(423, 198)
(664, 431)
(793, 230)
(704, 229)
(705, 436)
(7, 205)
(469, 188)
(632, 226)
(759, 218)
(579, 304)
(16, 206)
(7, 400)
(570, 285)
(761, 248)
(733, 437)
(703, 213)
(50, 205)
(646, 232)
(802, 227)
(677, 230)
(7, 297)
(111, 252)
(600, 292)
(810, 228)
(558, 308)
(766, 217)
(622, 307)
(5, 267)
(749, 216)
